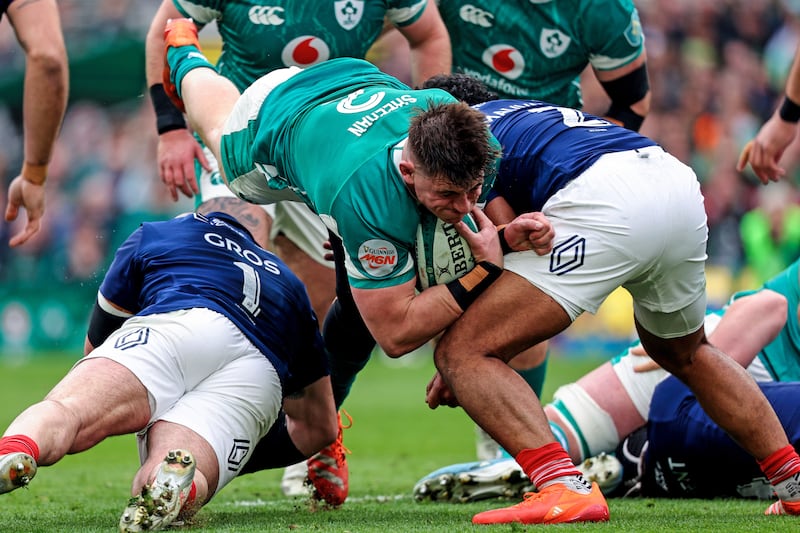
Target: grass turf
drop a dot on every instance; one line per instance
(395, 440)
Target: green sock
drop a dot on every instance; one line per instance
(535, 376)
(181, 60)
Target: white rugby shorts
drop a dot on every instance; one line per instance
(244, 179)
(294, 219)
(201, 372)
(634, 219)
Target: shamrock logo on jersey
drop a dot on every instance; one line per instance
(553, 42)
(348, 13)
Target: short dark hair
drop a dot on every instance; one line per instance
(463, 86)
(452, 141)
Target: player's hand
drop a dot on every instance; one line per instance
(438, 393)
(764, 152)
(530, 231)
(646, 365)
(177, 150)
(23, 193)
(485, 244)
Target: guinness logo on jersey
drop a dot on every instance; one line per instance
(378, 257)
(348, 13)
(505, 60)
(305, 51)
(553, 42)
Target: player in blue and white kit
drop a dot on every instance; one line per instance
(197, 337)
(626, 214)
(689, 456)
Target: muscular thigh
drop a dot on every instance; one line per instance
(631, 220)
(108, 397)
(509, 317)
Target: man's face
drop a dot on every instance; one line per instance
(445, 200)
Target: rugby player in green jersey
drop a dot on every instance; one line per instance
(259, 37)
(537, 49)
(367, 154)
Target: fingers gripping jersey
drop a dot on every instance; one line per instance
(538, 48)
(212, 262)
(261, 36)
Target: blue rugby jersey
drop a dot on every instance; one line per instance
(212, 262)
(546, 146)
(689, 456)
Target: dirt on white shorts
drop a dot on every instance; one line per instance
(201, 372)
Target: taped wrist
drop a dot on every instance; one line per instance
(168, 117)
(501, 234)
(789, 111)
(468, 287)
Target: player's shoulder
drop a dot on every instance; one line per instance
(601, 20)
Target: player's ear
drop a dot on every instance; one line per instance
(407, 170)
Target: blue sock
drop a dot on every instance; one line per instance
(182, 59)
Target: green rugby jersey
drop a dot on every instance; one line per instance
(781, 357)
(537, 49)
(259, 36)
(333, 133)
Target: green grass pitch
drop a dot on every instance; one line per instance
(395, 440)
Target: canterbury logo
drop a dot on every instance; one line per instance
(348, 106)
(266, 15)
(476, 15)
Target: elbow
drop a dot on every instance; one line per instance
(394, 350)
(396, 346)
(642, 107)
(776, 307)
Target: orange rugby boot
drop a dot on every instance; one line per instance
(555, 504)
(328, 472)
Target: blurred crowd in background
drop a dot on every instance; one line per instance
(717, 69)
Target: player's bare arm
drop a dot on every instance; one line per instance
(177, 147)
(402, 319)
(430, 45)
(38, 29)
